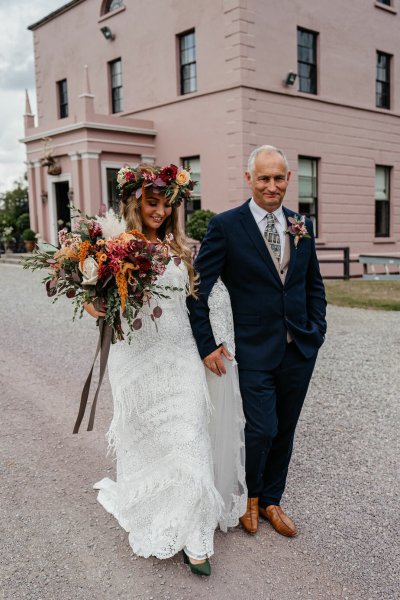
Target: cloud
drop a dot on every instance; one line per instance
(16, 74)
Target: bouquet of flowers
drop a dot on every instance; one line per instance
(102, 263)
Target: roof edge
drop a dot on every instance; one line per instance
(54, 14)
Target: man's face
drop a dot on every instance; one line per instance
(269, 180)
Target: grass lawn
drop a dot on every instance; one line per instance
(379, 295)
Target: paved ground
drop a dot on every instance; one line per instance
(57, 543)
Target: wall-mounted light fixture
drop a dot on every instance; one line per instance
(44, 197)
(108, 34)
(70, 195)
(290, 78)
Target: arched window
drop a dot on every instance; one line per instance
(111, 5)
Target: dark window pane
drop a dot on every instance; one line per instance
(187, 57)
(382, 214)
(116, 86)
(307, 60)
(308, 189)
(62, 98)
(113, 5)
(383, 80)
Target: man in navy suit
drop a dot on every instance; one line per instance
(265, 255)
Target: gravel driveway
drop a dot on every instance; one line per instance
(56, 541)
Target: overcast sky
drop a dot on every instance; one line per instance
(16, 74)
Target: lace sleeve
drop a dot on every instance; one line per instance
(221, 318)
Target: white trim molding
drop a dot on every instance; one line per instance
(88, 125)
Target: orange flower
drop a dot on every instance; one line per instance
(83, 252)
(101, 257)
(122, 288)
(138, 234)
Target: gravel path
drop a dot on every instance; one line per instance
(56, 541)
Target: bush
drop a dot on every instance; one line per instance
(28, 235)
(22, 222)
(197, 225)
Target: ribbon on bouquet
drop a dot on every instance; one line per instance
(103, 346)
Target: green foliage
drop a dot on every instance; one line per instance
(13, 204)
(22, 222)
(28, 235)
(197, 225)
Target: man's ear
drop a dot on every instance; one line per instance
(248, 177)
(288, 174)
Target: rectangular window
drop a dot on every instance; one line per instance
(187, 62)
(116, 86)
(308, 189)
(307, 60)
(383, 80)
(62, 98)
(387, 2)
(193, 163)
(382, 201)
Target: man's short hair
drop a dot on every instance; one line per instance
(269, 150)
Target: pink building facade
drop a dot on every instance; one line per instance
(203, 83)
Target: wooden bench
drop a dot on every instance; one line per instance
(369, 263)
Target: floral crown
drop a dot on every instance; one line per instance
(174, 182)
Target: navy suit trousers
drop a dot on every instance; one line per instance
(272, 402)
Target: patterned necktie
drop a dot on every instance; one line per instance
(272, 236)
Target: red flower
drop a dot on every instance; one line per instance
(129, 176)
(168, 174)
(144, 264)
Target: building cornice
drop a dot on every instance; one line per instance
(258, 88)
(55, 14)
(88, 125)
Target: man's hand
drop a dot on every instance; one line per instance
(214, 360)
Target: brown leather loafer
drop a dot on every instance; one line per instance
(279, 520)
(249, 520)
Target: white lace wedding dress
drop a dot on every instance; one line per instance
(164, 494)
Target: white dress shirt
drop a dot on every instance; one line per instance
(260, 217)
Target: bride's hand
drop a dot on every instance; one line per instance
(214, 361)
(93, 312)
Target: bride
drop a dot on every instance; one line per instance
(180, 461)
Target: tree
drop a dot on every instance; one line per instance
(13, 205)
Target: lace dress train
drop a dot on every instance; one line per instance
(164, 494)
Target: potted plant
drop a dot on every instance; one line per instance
(29, 237)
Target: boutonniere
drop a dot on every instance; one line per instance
(297, 228)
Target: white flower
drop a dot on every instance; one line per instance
(89, 271)
(111, 224)
(121, 175)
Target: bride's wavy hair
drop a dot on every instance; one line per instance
(130, 210)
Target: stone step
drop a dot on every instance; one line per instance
(10, 258)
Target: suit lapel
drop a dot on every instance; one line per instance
(254, 234)
(290, 238)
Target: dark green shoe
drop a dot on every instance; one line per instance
(200, 569)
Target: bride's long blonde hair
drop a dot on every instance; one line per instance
(130, 210)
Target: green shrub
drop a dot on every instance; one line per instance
(22, 222)
(197, 225)
(28, 235)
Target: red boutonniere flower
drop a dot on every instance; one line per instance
(298, 228)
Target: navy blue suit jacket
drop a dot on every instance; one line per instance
(263, 308)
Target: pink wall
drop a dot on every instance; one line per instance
(244, 48)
